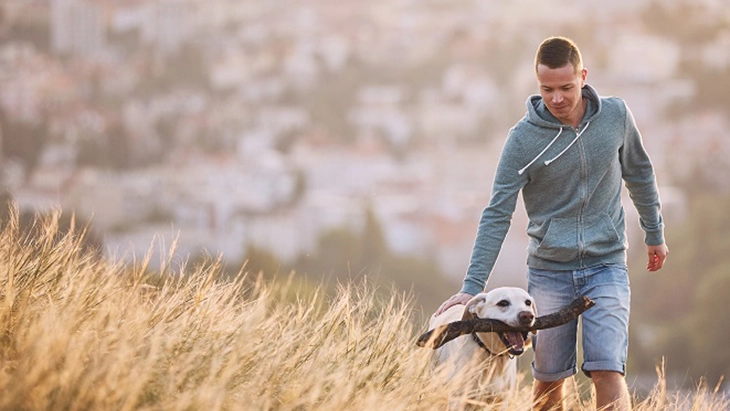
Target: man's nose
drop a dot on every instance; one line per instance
(557, 97)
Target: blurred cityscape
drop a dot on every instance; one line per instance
(229, 123)
(240, 125)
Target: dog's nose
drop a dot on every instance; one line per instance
(526, 317)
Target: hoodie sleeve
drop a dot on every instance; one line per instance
(638, 174)
(496, 217)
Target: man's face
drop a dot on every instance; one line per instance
(560, 89)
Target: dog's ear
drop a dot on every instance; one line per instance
(473, 306)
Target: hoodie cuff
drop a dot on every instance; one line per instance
(471, 287)
(654, 237)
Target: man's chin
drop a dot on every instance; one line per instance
(560, 112)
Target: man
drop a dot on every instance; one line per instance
(568, 157)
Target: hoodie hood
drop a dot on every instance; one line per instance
(539, 115)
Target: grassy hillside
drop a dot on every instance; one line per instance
(78, 332)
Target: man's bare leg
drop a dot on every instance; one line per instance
(548, 395)
(612, 394)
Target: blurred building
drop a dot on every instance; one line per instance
(77, 27)
(168, 24)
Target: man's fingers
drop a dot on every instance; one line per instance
(446, 305)
(460, 298)
(651, 264)
(656, 262)
(657, 256)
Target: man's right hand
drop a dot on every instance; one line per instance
(458, 298)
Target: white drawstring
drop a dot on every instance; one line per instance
(522, 170)
(577, 136)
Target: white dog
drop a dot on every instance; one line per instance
(485, 362)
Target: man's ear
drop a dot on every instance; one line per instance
(473, 306)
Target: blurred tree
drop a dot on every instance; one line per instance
(338, 253)
(697, 245)
(128, 41)
(166, 128)
(692, 25)
(118, 147)
(286, 140)
(7, 203)
(675, 311)
(330, 104)
(30, 224)
(91, 152)
(708, 324)
(347, 254)
(685, 21)
(36, 32)
(423, 277)
(343, 255)
(711, 89)
(161, 74)
(188, 67)
(374, 246)
(110, 151)
(259, 260)
(23, 140)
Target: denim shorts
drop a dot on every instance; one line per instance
(605, 326)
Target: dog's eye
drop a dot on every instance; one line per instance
(528, 303)
(503, 303)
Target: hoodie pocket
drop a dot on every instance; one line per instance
(601, 236)
(560, 242)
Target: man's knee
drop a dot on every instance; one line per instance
(606, 377)
(549, 385)
(611, 390)
(548, 394)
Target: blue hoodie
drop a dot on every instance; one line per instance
(570, 180)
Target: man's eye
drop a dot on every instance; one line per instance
(503, 303)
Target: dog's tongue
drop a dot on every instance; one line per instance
(515, 339)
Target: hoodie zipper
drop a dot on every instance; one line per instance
(584, 196)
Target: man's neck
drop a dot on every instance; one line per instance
(580, 113)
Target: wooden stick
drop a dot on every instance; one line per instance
(441, 335)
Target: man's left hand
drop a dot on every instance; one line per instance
(657, 256)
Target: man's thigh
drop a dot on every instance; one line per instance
(554, 348)
(606, 325)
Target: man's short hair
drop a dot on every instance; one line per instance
(555, 52)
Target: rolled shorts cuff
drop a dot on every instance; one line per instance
(553, 377)
(603, 366)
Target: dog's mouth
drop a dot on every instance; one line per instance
(514, 341)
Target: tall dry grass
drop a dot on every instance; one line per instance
(78, 332)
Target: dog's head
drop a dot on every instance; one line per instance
(511, 305)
